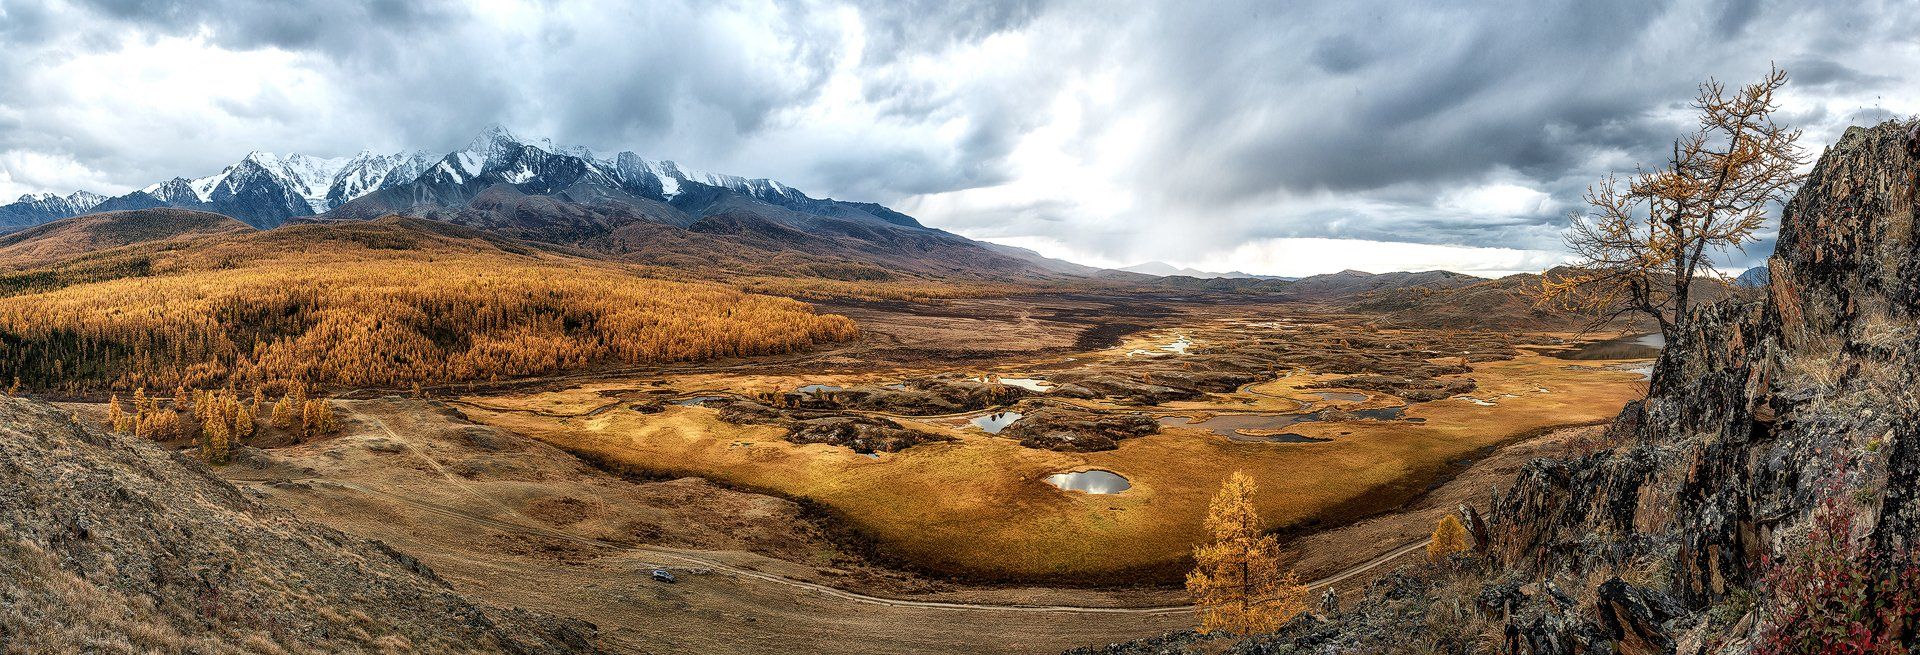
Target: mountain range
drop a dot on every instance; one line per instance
(266, 190)
(622, 207)
(629, 209)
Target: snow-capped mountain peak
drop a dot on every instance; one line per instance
(266, 189)
(492, 144)
(76, 202)
(368, 172)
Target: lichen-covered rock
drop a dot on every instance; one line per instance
(1759, 409)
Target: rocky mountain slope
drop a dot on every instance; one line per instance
(110, 544)
(1765, 497)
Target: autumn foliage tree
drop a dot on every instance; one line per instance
(316, 418)
(1449, 537)
(225, 420)
(376, 317)
(1646, 239)
(1237, 581)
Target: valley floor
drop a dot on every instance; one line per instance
(779, 547)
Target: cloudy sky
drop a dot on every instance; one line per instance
(1282, 137)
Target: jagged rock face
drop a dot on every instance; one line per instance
(105, 539)
(1760, 409)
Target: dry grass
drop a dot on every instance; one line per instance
(51, 611)
(977, 506)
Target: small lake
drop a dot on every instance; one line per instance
(817, 388)
(1095, 481)
(995, 422)
(1230, 425)
(1178, 347)
(1386, 414)
(1639, 346)
(697, 401)
(1035, 385)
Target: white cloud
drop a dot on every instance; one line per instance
(1300, 257)
(1205, 135)
(1498, 199)
(40, 172)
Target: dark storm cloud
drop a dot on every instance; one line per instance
(898, 27)
(339, 27)
(1235, 120)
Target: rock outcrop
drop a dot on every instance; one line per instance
(111, 544)
(1766, 418)
(1071, 430)
(1760, 411)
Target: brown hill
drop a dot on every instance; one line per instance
(110, 544)
(1508, 303)
(80, 235)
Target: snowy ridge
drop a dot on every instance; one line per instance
(266, 189)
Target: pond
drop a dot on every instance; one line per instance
(697, 401)
(1387, 414)
(1178, 347)
(995, 422)
(817, 388)
(1094, 481)
(1230, 426)
(1036, 385)
(1638, 346)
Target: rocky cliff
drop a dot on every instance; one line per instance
(1763, 415)
(1774, 428)
(112, 545)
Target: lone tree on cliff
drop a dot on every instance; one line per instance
(1237, 581)
(1645, 239)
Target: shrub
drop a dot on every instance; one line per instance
(1836, 594)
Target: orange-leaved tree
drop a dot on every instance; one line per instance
(1237, 581)
(1646, 239)
(1449, 537)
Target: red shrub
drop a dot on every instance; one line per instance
(1838, 595)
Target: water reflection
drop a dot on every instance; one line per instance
(1094, 481)
(995, 422)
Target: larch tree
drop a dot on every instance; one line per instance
(1237, 581)
(1449, 537)
(1646, 239)
(214, 439)
(116, 414)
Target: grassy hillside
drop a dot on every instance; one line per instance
(80, 235)
(383, 303)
